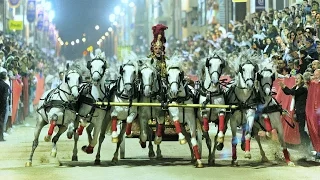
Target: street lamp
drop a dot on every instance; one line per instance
(84, 39)
(112, 17)
(115, 23)
(97, 27)
(72, 43)
(110, 29)
(77, 41)
(66, 43)
(131, 4)
(103, 37)
(117, 10)
(106, 34)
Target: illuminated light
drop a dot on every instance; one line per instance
(115, 23)
(67, 43)
(72, 43)
(132, 4)
(117, 10)
(106, 34)
(112, 17)
(77, 41)
(84, 39)
(110, 29)
(97, 27)
(61, 43)
(103, 37)
(98, 42)
(84, 34)
(122, 14)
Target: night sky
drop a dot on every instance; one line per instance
(75, 17)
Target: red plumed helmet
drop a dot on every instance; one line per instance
(159, 38)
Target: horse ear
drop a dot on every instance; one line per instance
(140, 62)
(89, 65)
(67, 66)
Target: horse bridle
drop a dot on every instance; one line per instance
(266, 84)
(180, 78)
(241, 72)
(208, 67)
(131, 84)
(104, 68)
(67, 78)
(152, 79)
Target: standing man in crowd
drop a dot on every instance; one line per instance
(58, 80)
(4, 89)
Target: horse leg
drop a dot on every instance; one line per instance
(285, 151)
(160, 128)
(89, 130)
(115, 158)
(40, 124)
(70, 130)
(96, 130)
(130, 119)
(53, 121)
(195, 147)
(114, 134)
(55, 139)
(234, 142)
(151, 153)
(104, 126)
(250, 121)
(262, 153)
(184, 131)
(221, 129)
(243, 137)
(267, 125)
(75, 147)
(143, 130)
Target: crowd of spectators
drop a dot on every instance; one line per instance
(21, 63)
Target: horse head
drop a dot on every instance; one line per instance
(97, 67)
(214, 66)
(73, 79)
(148, 76)
(175, 75)
(128, 74)
(266, 77)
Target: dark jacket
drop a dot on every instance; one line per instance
(300, 96)
(4, 89)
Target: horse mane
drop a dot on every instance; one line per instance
(78, 67)
(131, 58)
(147, 62)
(175, 62)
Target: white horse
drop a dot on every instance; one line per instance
(127, 91)
(180, 92)
(243, 94)
(57, 107)
(150, 84)
(90, 113)
(211, 92)
(271, 111)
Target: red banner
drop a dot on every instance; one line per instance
(291, 135)
(16, 91)
(39, 89)
(313, 114)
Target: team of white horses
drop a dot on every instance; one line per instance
(71, 106)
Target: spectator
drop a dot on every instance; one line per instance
(315, 65)
(299, 93)
(4, 89)
(57, 81)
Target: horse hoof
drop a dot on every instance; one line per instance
(159, 157)
(157, 141)
(87, 149)
(199, 165)
(47, 138)
(28, 164)
(114, 160)
(211, 162)
(234, 163)
(74, 158)
(264, 159)
(69, 135)
(183, 141)
(151, 154)
(53, 154)
(220, 139)
(220, 146)
(143, 144)
(97, 162)
(115, 140)
(247, 155)
(129, 136)
(291, 164)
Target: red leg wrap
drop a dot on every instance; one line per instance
(206, 124)
(286, 155)
(247, 145)
(80, 130)
(89, 149)
(178, 127)
(196, 152)
(221, 123)
(234, 152)
(267, 123)
(128, 129)
(114, 124)
(159, 130)
(51, 128)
